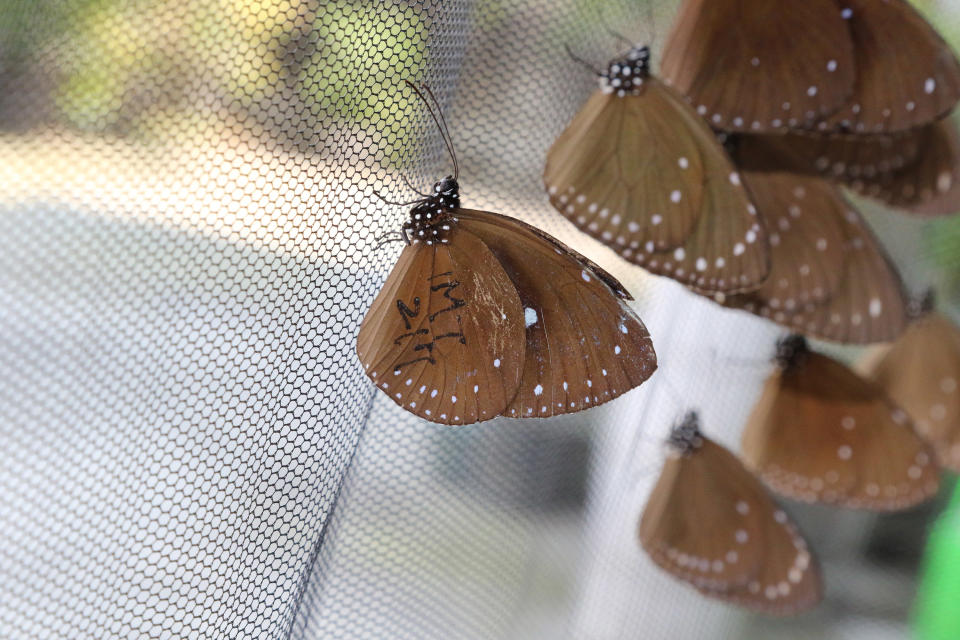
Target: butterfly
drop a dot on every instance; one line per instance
(484, 315)
(920, 372)
(711, 523)
(906, 75)
(829, 276)
(756, 65)
(640, 171)
(820, 433)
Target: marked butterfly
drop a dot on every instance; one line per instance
(829, 276)
(484, 315)
(920, 372)
(640, 171)
(906, 75)
(820, 433)
(711, 523)
(756, 65)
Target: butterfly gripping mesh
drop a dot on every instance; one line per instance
(188, 242)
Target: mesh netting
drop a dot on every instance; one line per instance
(188, 242)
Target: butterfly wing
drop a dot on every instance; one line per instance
(830, 277)
(444, 338)
(755, 65)
(930, 185)
(709, 522)
(921, 372)
(686, 216)
(584, 344)
(614, 169)
(906, 74)
(846, 158)
(870, 303)
(801, 214)
(819, 433)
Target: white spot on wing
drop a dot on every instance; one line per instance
(529, 316)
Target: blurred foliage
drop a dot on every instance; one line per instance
(141, 65)
(355, 50)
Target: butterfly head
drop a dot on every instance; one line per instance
(685, 436)
(430, 217)
(791, 351)
(626, 75)
(922, 305)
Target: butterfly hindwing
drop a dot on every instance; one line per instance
(445, 337)
(584, 344)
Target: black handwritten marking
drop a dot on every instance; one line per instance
(406, 312)
(410, 335)
(455, 303)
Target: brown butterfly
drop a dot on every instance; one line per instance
(756, 65)
(829, 276)
(640, 171)
(484, 315)
(820, 433)
(906, 75)
(921, 373)
(711, 523)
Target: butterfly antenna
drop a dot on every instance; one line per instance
(446, 134)
(392, 202)
(651, 24)
(581, 61)
(439, 121)
(390, 236)
(619, 36)
(412, 188)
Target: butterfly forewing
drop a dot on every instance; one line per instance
(906, 74)
(445, 336)
(709, 522)
(645, 175)
(870, 303)
(806, 239)
(756, 65)
(819, 433)
(921, 374)
(830, 277)
(615, 169)
(584, 345)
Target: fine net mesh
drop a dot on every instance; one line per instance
(188, 242)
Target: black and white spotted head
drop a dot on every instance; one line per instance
(430, 218)
(625, 75)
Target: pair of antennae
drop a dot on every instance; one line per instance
(439, 121)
